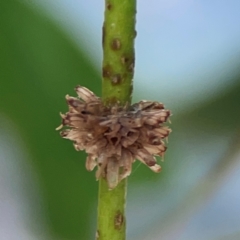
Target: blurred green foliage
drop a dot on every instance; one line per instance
(39, 65)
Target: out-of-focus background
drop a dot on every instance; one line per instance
(187, 56)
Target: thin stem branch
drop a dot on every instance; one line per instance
(117, 75)
(111, 211)
(118, 50)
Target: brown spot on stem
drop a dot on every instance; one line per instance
(107, 71)
(124, 60)
(116, 44)
(118, 220)
(109, 6)
(129, 62)
(116, 79)
(131, 65)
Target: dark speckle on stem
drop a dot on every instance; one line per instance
(132, 65)
(116, 79)
(107, 71)
(118, 220)
(109, 6)
(124, 60)
(116, 44)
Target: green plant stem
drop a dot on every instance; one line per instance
(111, 211)
(118, 50)
(117, 75)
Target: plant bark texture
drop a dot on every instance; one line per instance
(117, 75)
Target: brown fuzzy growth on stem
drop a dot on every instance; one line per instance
(114, 136)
